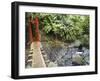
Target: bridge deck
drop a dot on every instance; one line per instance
(37, 58)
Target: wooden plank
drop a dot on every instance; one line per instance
(37, 58)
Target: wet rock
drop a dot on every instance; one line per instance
(77, 59)
(68, 62)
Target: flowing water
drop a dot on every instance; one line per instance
(62, 55)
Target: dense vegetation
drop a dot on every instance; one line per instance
(66, 27)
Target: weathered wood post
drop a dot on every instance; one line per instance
(30, 29)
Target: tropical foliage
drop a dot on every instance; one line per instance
(67, 27)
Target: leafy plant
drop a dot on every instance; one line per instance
(66, 27)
